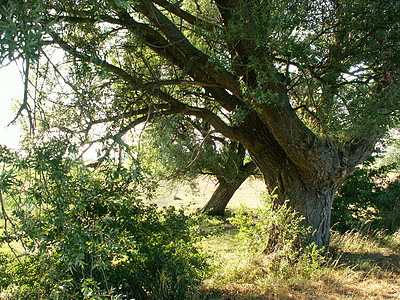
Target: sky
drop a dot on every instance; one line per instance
(11, 90)
(11, 94)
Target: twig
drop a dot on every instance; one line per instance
(24, 105)
(199, 150)
(7, 218)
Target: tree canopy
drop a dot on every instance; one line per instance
(307, 87)
(181, 148)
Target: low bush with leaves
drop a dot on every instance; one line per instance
(369, 195)
(274, 235)
(84, 233)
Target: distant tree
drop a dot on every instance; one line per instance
(307, 87)
(187, 148)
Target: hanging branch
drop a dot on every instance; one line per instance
(24, 105)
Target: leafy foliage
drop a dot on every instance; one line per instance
(307, 87)
(328, 54)
(277, 232)
(181, 148)
(86, 234)
(370, 194)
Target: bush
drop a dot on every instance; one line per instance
(277, 233)
(369, 195)
(88, 236)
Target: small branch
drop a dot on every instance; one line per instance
(214, 120)
(24, 105)
(147, 118)
(7, 218)
(144, 111)
(179, 82)
(142, 131)
(95, 60)
(200, 147)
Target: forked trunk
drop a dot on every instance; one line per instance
(310, 193)
(312, 199)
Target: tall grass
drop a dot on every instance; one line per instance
(266, 252)
(360, 264)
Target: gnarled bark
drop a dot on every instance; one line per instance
(308, 182)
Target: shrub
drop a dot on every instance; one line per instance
(369, 195)
(89, 236)
(276, 233)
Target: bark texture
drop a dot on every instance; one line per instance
(309, 184)
(226, 189)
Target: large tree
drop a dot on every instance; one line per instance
(307, 87)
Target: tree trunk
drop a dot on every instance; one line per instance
(221, 197)
(226, 189)
(310, 196)
(309, 184)
(313, 201)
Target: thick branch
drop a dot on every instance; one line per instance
(300, 144)
(179, 82)
(249, 168)
(358, 151)
(162, 47)
(242, 50)
(182, 44)
(191, 19)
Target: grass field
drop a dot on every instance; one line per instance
(358, 266)
(196, 195)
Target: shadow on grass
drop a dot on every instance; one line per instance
(370, 272)
(235, 293)
(366, 262)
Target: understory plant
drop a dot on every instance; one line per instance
(84, 233)
(274, 235)
(371, 195)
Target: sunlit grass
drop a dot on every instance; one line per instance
(4, 248)
(359, 265)
(8, 248)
